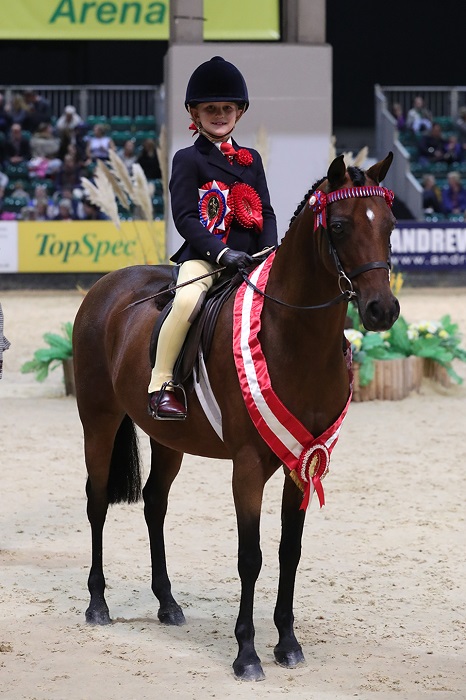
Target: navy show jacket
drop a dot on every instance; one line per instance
(194, 167)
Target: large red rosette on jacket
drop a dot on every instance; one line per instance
(247, 206)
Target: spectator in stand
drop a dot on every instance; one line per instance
(69, 174)
(5, 115)
(17, 146)
(453, 150)
(65, 210)
(91, 212)
(40, 193)
(148, 160)
(27, 213)
(4, 179)
(397, 112)
(38, 110)
(44, 143)
(41, 208)
(2, 197)
(431, 195)
(98, 144)
(454, 195)
(69, 120)
(44, 150)
(461, 127)
(128, 154)
(18, 191)
(432, 146)
(419, 118)
(17, 109)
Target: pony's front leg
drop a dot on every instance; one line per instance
(288, 651)
(165, 465)
(248, 500)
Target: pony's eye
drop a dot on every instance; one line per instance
(337, 227)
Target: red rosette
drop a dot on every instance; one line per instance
(215, 209)
(313, 466)
(244, 157)
(247, 206)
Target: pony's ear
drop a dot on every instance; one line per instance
(336, 172)
(378, 171)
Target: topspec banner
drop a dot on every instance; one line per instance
(79, 246)
(429, 246)
(241, 20)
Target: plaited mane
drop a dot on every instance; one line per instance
(356, 174)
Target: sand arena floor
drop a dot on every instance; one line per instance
(380, 595)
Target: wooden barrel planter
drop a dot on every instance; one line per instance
(68, 372)
(393, 380)
(433, 370)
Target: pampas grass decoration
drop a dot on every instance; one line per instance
(162, 155)
(141, 193)
(101, 195)
(121, 173)
(361, 157)
(262, 145)
(332, 154)
(118, 190)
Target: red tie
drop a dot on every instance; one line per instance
(228, 151)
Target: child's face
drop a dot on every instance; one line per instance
(217, 118)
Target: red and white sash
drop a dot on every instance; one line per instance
(307, 457)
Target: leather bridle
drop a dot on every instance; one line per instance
(319, 202)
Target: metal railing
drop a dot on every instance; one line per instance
(442, 101)
(99, 100)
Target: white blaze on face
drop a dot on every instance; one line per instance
(370, 214)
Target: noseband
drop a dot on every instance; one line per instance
(319, 202)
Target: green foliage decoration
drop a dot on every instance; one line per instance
(47, 359)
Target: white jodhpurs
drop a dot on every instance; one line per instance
(185, 308)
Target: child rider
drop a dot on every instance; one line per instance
(210, 182)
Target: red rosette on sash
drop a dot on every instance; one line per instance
(313, 466)
(215, 212)
(247, 206)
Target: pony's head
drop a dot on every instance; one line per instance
(355, 213)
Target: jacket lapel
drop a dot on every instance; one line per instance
(215, 157)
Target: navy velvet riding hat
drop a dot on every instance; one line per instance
(216, 80)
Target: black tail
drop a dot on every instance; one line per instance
(124, 483)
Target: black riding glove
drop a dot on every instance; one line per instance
(236, 259)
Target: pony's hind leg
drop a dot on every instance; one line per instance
(112, 461)
(288, 652)
(165, 465)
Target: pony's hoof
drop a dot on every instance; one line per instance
(98, 616)
(290, 658)
(248, 672)
(172, 616)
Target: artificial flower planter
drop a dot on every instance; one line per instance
(393, 379)
(435, 371)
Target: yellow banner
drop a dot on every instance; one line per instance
(134, 19)
(88, 246)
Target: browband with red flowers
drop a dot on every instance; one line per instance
(319, 200)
